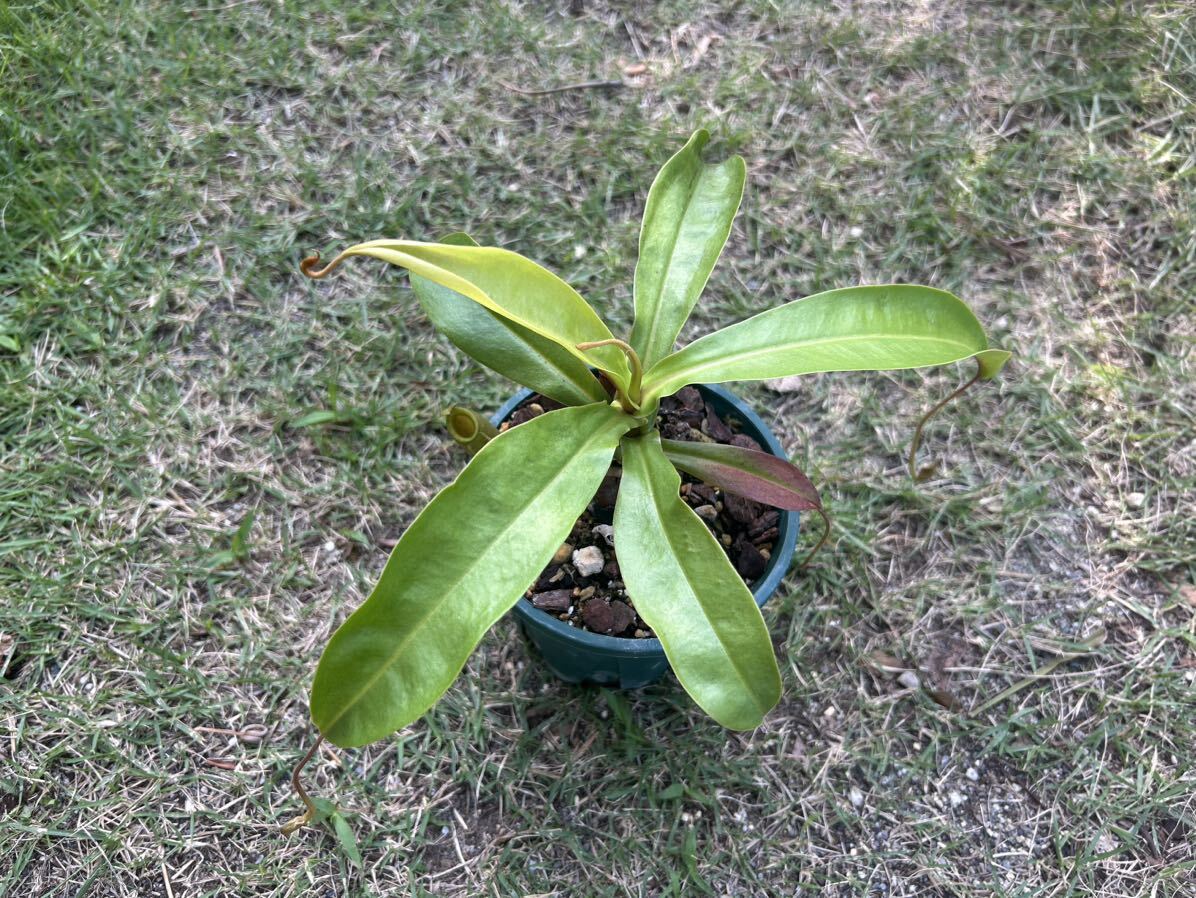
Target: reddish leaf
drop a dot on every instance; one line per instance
(745, 472)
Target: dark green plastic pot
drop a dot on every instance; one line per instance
(579, 656)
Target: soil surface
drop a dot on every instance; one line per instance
(582, 585)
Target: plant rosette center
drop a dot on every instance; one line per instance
(583, 584)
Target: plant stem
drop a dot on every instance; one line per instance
(919, 476)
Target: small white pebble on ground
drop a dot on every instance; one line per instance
(607, 532)
(856, 797)
(956, 798)
(1135, 500)
(908, 679)
(588, 560)
(972, 774)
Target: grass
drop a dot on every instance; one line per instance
(179, 534)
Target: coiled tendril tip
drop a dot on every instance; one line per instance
(308, 266)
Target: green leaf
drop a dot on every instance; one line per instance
(852, 329)
(687, 219)
(684, 587)
(750, 473)
(503, 345)
(344, 835)
(507, 284)
(460, 566)
(327, 812)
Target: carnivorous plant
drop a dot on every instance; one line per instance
(476, 547)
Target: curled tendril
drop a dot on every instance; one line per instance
(308, 266)
(919, 475)
(631, 399)
(826, 534)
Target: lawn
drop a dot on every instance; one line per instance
(989, 678)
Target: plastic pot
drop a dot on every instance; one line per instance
(579, 656)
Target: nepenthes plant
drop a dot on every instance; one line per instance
(478, 545)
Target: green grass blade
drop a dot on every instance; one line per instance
(507, 284)
(853, 329)
(687, 218)
(504, 346)
(685, 588)
(459, 567)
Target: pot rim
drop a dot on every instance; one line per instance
(778, 564)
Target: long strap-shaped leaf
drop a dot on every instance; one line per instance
(504, 346)
(507, 284)
(684, 587)
(852, 329)
(687, 219)
(464, 561)
(755, 475)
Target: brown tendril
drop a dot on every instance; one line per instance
(920, 475)
(826, 534)
(304, 818)
(308, 266)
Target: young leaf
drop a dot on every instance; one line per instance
(750, 473)
(684, 587)
(754, 475)
(465, 560)
(852, 329)
(687, 219)
(504, 346)
(505, 283)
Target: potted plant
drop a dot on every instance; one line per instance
(477, 547)
(759, 539)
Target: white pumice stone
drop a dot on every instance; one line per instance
(588, 560)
